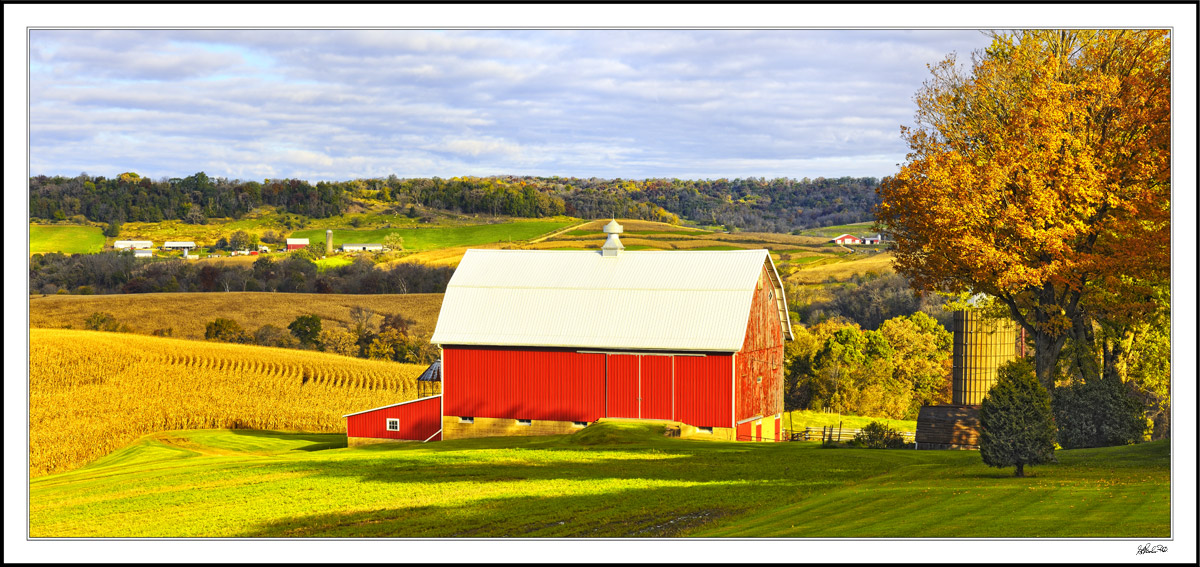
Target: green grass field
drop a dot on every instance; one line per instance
(800, 419)
(65, 239)
(332, 262)
(857, 229)
(435, 237)
(609, 480)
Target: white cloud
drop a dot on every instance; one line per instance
(346, 103)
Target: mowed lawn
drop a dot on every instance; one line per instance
(65, 239)
(609, 480)
(442, 236)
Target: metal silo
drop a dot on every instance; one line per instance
(981, 345)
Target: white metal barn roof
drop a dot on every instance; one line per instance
(179, 244)
(646, 300)
(303, 241)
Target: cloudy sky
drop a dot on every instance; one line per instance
(342, 104)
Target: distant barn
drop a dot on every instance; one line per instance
(362, 247)
(184, 245)
(133, 245)
(296, 243)
(543, 342)
(847, 239)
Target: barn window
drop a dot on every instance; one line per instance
(524, 422)
(393, 424)
(580, 423)
(705, 429)
(466, 420)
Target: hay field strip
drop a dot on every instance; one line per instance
(611, 479)
(842, 268)
(187, 313)
(91, 393)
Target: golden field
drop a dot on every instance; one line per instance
(92, 392)
(187, 313)
(842, 270)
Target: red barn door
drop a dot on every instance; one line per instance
(622, 387)
(656, 388)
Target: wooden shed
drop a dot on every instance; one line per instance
(545, 342)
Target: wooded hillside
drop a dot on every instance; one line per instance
(753, 204)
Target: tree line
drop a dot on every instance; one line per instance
(193, 199)
(119, 272)
(392, 338)
(754, 204)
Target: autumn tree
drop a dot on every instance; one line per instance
(1041, 178)
(922, 361)
(393, 241)
(338, 341)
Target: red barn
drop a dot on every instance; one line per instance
(544, 342)
(847, 239)
(296, 244)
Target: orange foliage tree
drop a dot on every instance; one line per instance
(1041, 178)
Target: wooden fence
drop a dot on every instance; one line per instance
(833, 433)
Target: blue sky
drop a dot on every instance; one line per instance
(342, 104)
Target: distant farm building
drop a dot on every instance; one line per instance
(133, 245)
(872, 239)
(544, 342)
(184, 245)
(296, 243)
(362, 248)
(847, 239)
(138, 253)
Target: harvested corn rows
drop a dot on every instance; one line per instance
(91, 393)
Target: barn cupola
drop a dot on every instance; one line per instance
(612, 246)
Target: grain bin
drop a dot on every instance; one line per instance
(329, 242)
(981, 345)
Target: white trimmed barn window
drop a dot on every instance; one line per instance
(393, 424)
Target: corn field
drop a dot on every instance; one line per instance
(91, 393)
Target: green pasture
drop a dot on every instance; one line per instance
(800, 419)
(65, 239)
(435, 237)
(611, 479)
(857, 229)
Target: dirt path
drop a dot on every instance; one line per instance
(558, 232)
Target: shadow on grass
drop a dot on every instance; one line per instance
(660, 488)
(317, 441)
(646, 513)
